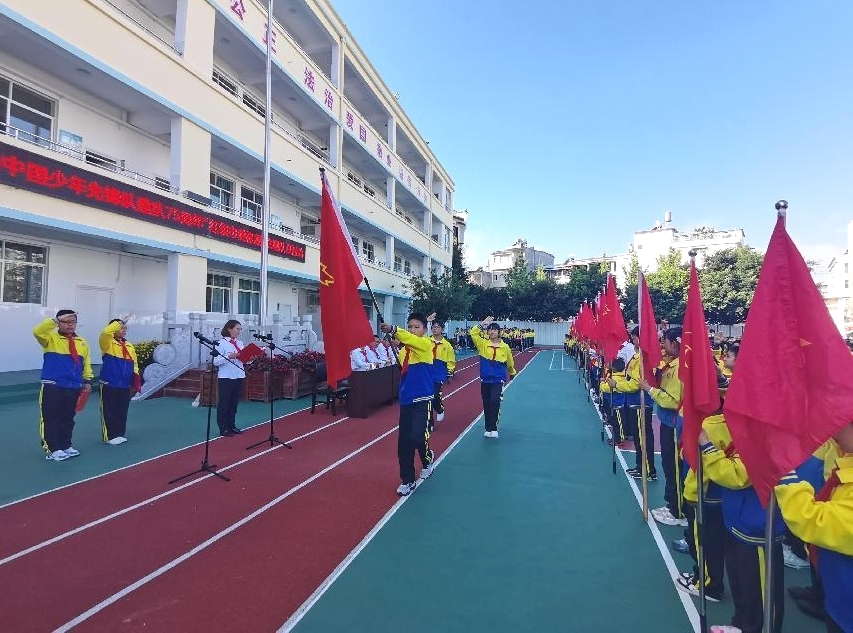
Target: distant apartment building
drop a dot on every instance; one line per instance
(834, 282)
(494, 275)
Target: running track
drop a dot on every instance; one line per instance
(128, 551)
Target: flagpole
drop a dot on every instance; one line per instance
(781, 212)
(265, 220)
(699, 517)
(379, 314)
(641, 414)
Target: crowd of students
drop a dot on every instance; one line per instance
(519, 339)
(815, 500)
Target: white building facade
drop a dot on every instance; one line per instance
(500, 263)
(131, 165)
(837, 290)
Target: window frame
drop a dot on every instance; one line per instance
(212, 286)
(34, 265)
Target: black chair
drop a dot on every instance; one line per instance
(324, 392)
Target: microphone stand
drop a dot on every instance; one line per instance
(272, 439)
(206, 466)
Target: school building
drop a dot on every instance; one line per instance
(131, 166)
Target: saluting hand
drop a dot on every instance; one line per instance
(644, 384)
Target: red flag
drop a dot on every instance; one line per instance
(342, 315)
(612, 331)
(697, 371)
(649, 342)
(791, 389)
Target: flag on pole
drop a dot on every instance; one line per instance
(611, 323)
(649, 342)
(342, 316)
(791, 388)
(697, 370)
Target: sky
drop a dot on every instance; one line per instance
(574, 123)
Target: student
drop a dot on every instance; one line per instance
(66, 372)
(416, 393)
(119, 380)
(496, 368)
(825, 520)
(231, 377)
(613, 401)
(443, 363)
(631, 388)
(667, 399)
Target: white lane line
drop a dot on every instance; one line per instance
(318, 593)
(686, 601)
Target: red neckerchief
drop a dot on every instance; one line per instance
(125, 354)
(364, 353)
(405, 366)
(435, 348)
(233, 342)
(495, 352)
(72, 349)
(824, 495)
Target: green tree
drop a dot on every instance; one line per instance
(668, 287)
(460, 273)
(447, 296)
(585, 283)
(490, 302)
(728, 279)
(628, 295)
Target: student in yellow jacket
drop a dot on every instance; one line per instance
(631, 388)
(416, 392)
(443, 364)
(119, 380)
(825, 520)
(667, 399)
(66, 372)
(496, 368)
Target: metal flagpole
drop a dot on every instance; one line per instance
(265, 220)
(641, 413)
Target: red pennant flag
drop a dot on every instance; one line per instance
(611, 324)
(649, 341)
(791, 389)
(697, 371)
(342, 315)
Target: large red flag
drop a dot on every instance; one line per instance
(649, 341)
(342, 315)
(612, 331)
(791, 388)
(697, 370)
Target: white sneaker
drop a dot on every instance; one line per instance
(667, 519)
(492, 434)
(72, 452)
(117, 440)
(725, 628)
(57, 456)
(439, 417)
(792, 560)
(404, 489)
(426, 471)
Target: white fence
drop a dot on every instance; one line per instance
(545, 333)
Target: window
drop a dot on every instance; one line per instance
(219, 293)
(22, 278)
(368, 307)
(308, 225)
(248, 296)
(398, 263)
(313, 299)
(846, 283)
(407, 267)
(99, 160)
(369, 191)
(225, 81)
(221, 193)
(25, 114)
(254, 104)
(354, 242)
(251, 204)
(367, 250)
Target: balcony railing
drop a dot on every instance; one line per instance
(81, 155)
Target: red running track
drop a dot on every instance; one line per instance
(128, 551)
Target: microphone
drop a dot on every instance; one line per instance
(263, 337)
(201, 337)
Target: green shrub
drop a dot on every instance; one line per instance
(145, 352)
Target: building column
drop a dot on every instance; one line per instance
(190, 159)
(427, 265)
(337, 74)
(391, 192)
(428, 178)
(389, 251)
(392, 133)
(194, 28)
(186, 289)
(336, 139)
(388, 309)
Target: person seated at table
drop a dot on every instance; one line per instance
(363, 358)
(383, 352)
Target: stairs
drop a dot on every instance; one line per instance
(186, 386)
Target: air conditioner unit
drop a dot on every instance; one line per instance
(197, 197)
